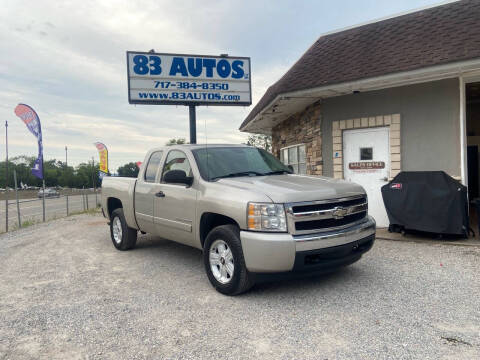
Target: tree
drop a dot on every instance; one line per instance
(85, 174)
(260, 141)
(179, 141)
(55, 172)
(129, 170)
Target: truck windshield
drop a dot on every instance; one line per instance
(221, 162)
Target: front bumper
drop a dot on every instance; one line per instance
(281, 252)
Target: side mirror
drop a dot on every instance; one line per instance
(177, 177)
(290, 167)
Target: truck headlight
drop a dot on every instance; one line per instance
(266, 217)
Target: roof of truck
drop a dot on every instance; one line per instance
(202, 146)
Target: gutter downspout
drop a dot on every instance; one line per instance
(463, 133)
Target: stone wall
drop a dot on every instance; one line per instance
(302, 128)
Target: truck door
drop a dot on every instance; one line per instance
(175, 204)
(145, 190)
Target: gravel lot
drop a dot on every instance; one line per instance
(66, 293)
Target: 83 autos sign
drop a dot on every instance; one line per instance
(185, 79)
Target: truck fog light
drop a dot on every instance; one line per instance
(266, 217)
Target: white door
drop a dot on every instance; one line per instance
(366, 154)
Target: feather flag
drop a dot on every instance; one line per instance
(103, 155)
(31, 119)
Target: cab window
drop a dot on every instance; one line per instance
(177, 160)
(152, 166)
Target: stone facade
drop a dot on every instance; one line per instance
(302, 128)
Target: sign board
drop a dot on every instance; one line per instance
(367, 165)
(177, 79)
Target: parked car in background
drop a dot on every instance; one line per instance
(48, 193)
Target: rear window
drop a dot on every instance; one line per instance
(152, 166)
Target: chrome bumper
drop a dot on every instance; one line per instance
(335, 238)
(276, 252)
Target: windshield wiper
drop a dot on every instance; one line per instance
(237, 174)
(278, 172)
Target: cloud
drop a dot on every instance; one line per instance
(67, 60)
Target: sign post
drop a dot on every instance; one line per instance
(6, 176)
(193, 124)
(190, 80)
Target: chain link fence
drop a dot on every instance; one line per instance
(25, 212)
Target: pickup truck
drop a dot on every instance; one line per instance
(246, 210)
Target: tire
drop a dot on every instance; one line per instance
(127, 238)
(219, 241)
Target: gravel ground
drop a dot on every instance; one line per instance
(66, 293)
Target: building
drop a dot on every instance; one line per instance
(364, 103)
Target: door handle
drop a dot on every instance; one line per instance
(160, 194)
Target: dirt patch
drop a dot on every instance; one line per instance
(455, 341)
(97, 222)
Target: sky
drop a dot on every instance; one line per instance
(67, 59)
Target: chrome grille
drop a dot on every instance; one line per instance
(326, 215)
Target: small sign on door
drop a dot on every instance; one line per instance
(366, 165)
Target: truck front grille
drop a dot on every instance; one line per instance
(326, 215)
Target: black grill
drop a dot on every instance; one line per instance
(329, 223)
(319, 207)
(339, 252)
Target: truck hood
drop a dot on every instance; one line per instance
(295, 188)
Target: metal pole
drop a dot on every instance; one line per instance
(16, 196)
(66, 168)
(94, 182)
(43, 184)
(93, 170)
(193, 124)
(83, 198)
(67, 205)
(43, 199)
(6, 176)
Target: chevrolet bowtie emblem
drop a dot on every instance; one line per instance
(339, 212)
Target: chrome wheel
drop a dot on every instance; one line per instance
(221, 261)
(117, 230)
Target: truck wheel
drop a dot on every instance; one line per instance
(123, 237)
(224, 262)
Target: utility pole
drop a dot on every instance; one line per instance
(66, 156)
(6, 176)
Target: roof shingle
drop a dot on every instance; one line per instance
(434, 36)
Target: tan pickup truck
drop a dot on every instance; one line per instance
(244, 208)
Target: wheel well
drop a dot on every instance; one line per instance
(112, 204)
(209, 220)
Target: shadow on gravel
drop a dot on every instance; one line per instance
(190, 259)
(293, 284)
(167, 250)
(149, 242)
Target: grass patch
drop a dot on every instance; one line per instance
(92, 211)
(25, 223)
(29, 222)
